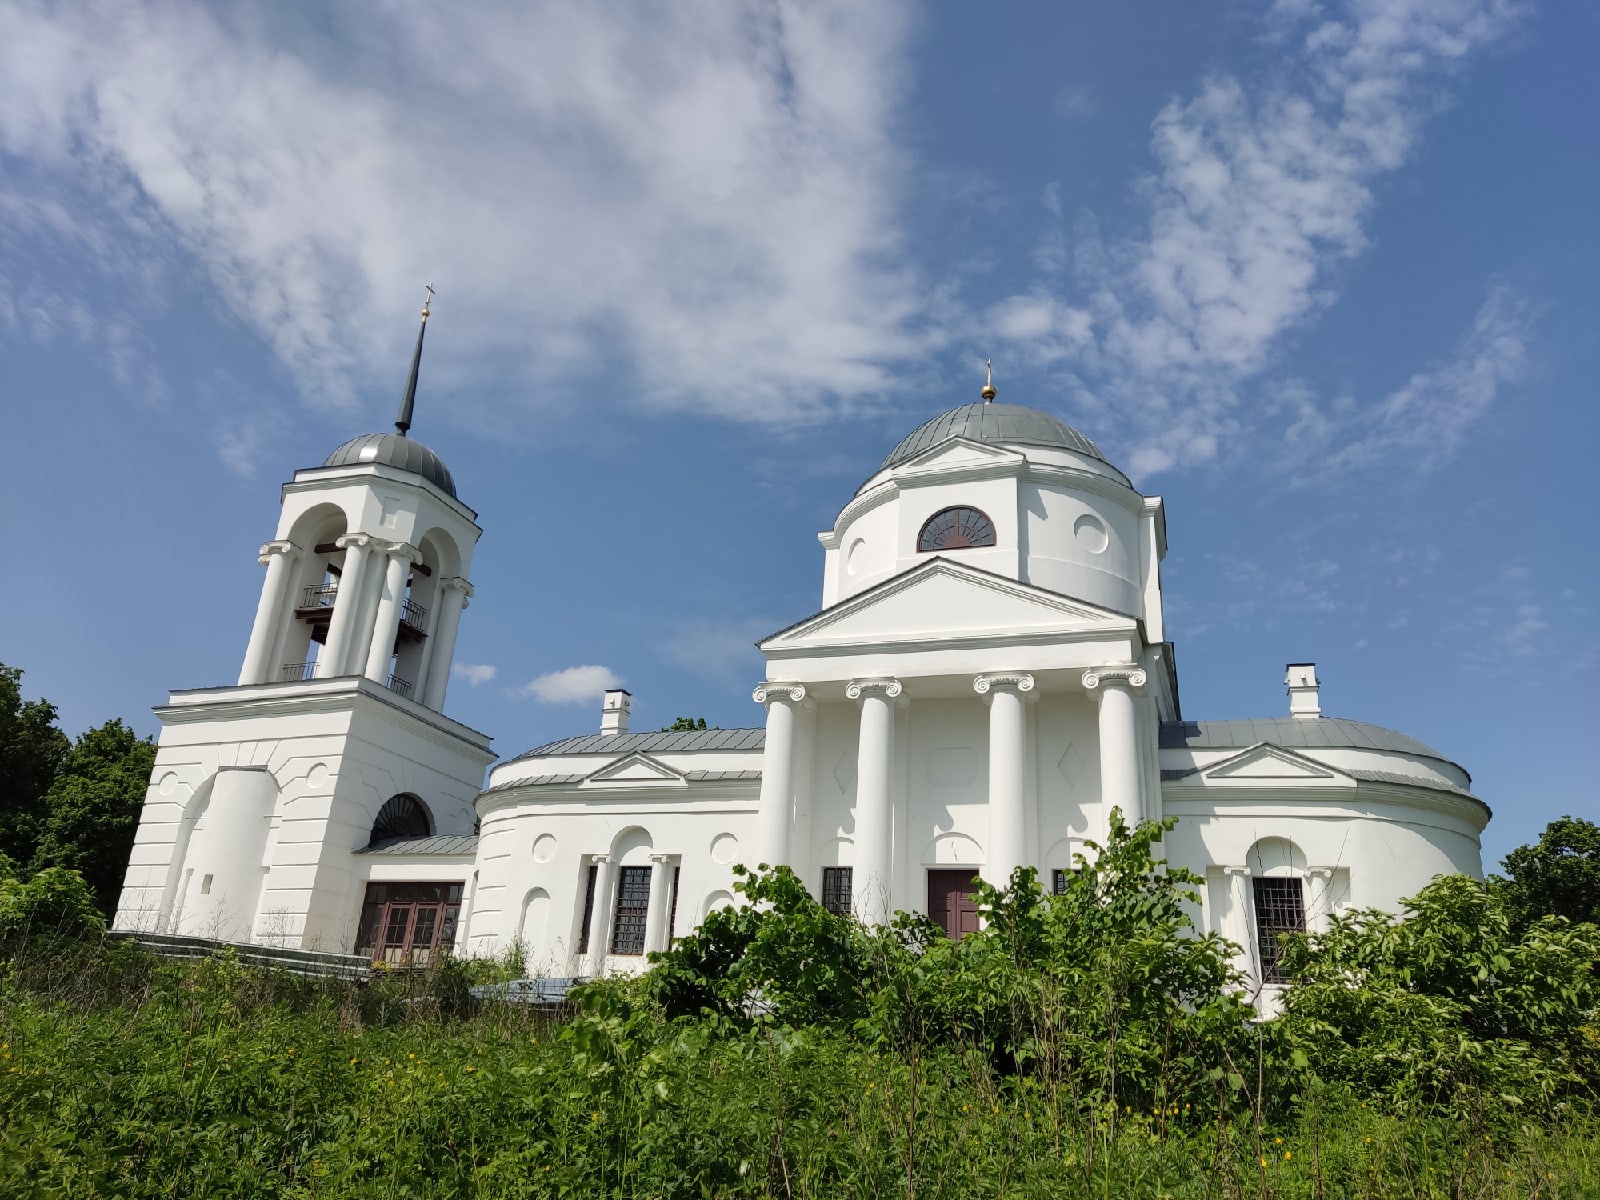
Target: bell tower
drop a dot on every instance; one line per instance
(265, 793)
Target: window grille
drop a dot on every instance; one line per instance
(836, 884)
(672, 906)
(633, 907)
(1059, 878)
(1280, 908)
(588, 908)
(958, 528)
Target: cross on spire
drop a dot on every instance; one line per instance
(989, 392)
(409, 400)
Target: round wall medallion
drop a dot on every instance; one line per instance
(853, 556)
(167, 784)
(723, 847)
(318, 775)
(544, 848)
(1091, 534)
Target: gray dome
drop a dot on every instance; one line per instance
(993, 423)
(394, 450)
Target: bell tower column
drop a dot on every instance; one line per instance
(346, 606)
(390, 602)
(454, 594)
(278, 557)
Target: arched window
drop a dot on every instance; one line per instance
(1278, 869)
(401, 816)
(959, 528)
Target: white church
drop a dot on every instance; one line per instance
(986, 679)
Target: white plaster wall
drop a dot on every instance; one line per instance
(1081, 544)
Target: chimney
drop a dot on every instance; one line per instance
(614, 712)
(1302, 681)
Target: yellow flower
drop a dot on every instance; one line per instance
(1288, 1154)
(411, 1056)
(354, 1061)
(470, 1070)
(1263, 1162)
(1277, 1141)
(594, 1116)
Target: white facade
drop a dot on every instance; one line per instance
(987, 678)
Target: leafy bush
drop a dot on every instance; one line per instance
(1450, 1007)
(53, 904)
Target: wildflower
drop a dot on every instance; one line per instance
(1277, 1141)
(1263, 1162)
(594, 1116)
(411, 1056)
(1288, 1154)
(354, 1061)
(470, 1070)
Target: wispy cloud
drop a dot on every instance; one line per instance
(575, 685)
(1262, 188)
(721, 651)
(645, 187)
(474, 673)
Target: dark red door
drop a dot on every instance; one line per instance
(951, 903)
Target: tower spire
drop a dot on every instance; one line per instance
(989, 392)
(409, 400)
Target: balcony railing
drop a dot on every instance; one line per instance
(294, 672)
(318, 595)
(400, 687)
(414, 615)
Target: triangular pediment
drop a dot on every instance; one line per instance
(1268, 764)
(635, 770)
(941, 599)
(958, 454)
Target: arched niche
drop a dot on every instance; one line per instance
(631, 847)
(534, 922)
(1276, 856)
(717, 899)
(315, 586)
(953, 849)
(837, 852)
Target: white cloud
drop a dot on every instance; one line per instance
(1261, 189)
(474, 673)
(1077, 103)
(1518, 637)
(659, 185)
(575, 685)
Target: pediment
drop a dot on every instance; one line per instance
(941, 598)
(958, 454)
(1268, 764)
(635, 770)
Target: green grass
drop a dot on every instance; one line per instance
(122, 1076)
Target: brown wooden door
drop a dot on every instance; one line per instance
(951, 903)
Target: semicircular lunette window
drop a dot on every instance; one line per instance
(959, 528)
(401, 816)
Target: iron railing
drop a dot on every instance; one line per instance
(294, 672)
(401, 687)
(319, 595)
(414, 615)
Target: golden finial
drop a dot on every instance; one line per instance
(427, 302)
(988, 392)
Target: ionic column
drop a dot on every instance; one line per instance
(453, 595)
(600, 919)
(776, 812)
(332, 661)
(871, 879)
(656, 931)
(1236, 923)
(387, 626)
(1114, 687)
(278, 558)
(1008, 833)
(1318, 887)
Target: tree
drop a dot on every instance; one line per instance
(1559, 875)
(92, 808)
(686, 725)
(31, 750)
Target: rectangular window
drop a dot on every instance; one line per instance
(633, 906)
(1059, 879)
(588, 908)
(1280, 908)
(408, 924)
(836, 883)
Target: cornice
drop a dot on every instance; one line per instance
(316, 696)
(1313, 793)
(937, 642)
(738, 795)
(323, 479)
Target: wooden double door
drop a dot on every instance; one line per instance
(951, 903)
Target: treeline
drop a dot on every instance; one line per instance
(70, 805)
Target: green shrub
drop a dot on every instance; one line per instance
(54, 904)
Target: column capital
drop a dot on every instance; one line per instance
(353, 539)
(403, 551)
(1319, 872)
(456, 584)
(1236, 872)
(666, 860)
(284, 547)
(1020, 681)
(769, 691)
(595, 860)
(1121, 675)
(889, 689)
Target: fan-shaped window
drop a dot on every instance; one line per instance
(401, 816)
(958, 528)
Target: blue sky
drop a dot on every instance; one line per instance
(1321, 274)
